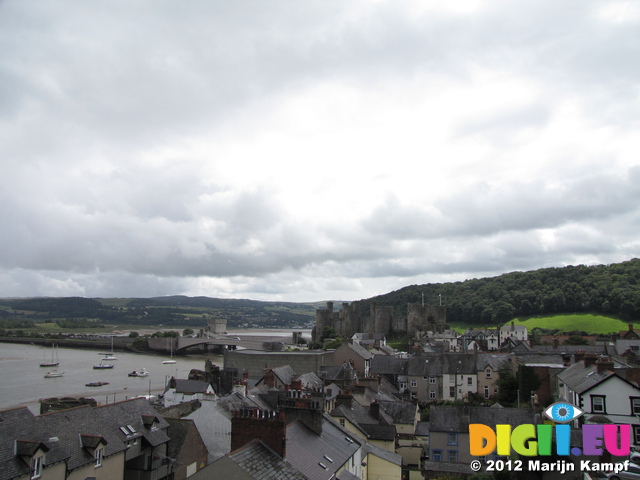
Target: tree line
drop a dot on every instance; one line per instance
(612, 290)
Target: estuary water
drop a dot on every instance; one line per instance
(22, 379)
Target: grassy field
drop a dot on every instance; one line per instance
(594, 324)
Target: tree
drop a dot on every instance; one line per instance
(576, 340)
(187, 331)
(134, 334)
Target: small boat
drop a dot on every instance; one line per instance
(53, 374)
(109, 356)
(102, 366)
(54, 361)
(139, 373)
(96, 384)
(167, 362)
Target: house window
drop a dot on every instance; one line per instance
(436, 456)
(99, 453)
(432, 394)
(452, 456)
(635, 405)
(452, 379)
(37, 467)
(432, 380)
(452, 439)
(488, 372)
(636, 435)
(598, 404)
(486, 391)
(342, 422)
(469, 380)
(452, 391)
(414, 383)
(403, 385)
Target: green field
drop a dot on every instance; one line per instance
(594, 324)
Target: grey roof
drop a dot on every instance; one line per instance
(369, 448)
(581, 378)
(285, 374)
(347, 475)
(262, 463)
(14, 424)
(306, 450)
(425, 366)
(422, 429)
(493, 360)
(379, 432)
(310, 380)
(388, 365)
(400, 412)
(131, 412)
(457, 419)
(223, 467)
(360, 350)
(71, 435)
(191, 386)
(356, 414)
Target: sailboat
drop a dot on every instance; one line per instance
(171, 361)
(53, 374)
(54, 359)
(110, 355)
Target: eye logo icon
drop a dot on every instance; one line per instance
(563, 412)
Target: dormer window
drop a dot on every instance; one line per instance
(99, 454)
(36, 467)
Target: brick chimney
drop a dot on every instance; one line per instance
(269, 378)
(604, 364)
(589, 359)
(345, 397)
(578, 356)
(266, 425)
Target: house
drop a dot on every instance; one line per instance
(179, 391)
(369, 340)
(518, 333)
(355, 354)
(118, 441)
(486, 339)
(360, 422)
(186, 448)
(380, 464)
(488, 366)
(595, 388)
(449, 433)
(278, 377)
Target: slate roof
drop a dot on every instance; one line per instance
(310, 380)
(369, 448)
(131, 412)
(400, 412)
(457, 419)
(306, 450)
(178, 431)
(360, 350)
(14, 424)
(387, 365)
(379, 432)
(493, 360)
(580, 378)
(262, 463)
(190, 387)
(285, 373)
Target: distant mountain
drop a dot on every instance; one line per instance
(604, 289)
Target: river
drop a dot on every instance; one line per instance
(22, 379)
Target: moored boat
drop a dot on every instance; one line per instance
(53, 374)
(96, 384)
(102, 366)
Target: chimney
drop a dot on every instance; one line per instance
(374, 410)
(630, 326)
(590, 359)
(604, 364)
(269, 378)
(344, 397)
(578, 356)
(308, 410)
(266, 425)
(556, 342)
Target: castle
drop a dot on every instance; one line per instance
(349, 319)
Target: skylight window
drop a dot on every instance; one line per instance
(328, 459)
(322, 465)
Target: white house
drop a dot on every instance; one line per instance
(180, 391)
(595, 388)
(515, 332)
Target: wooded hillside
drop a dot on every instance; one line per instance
(605, 289)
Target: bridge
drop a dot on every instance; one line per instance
(184, 345)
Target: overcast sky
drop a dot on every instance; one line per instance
(312, 150)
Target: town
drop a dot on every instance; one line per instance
(361, 410)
